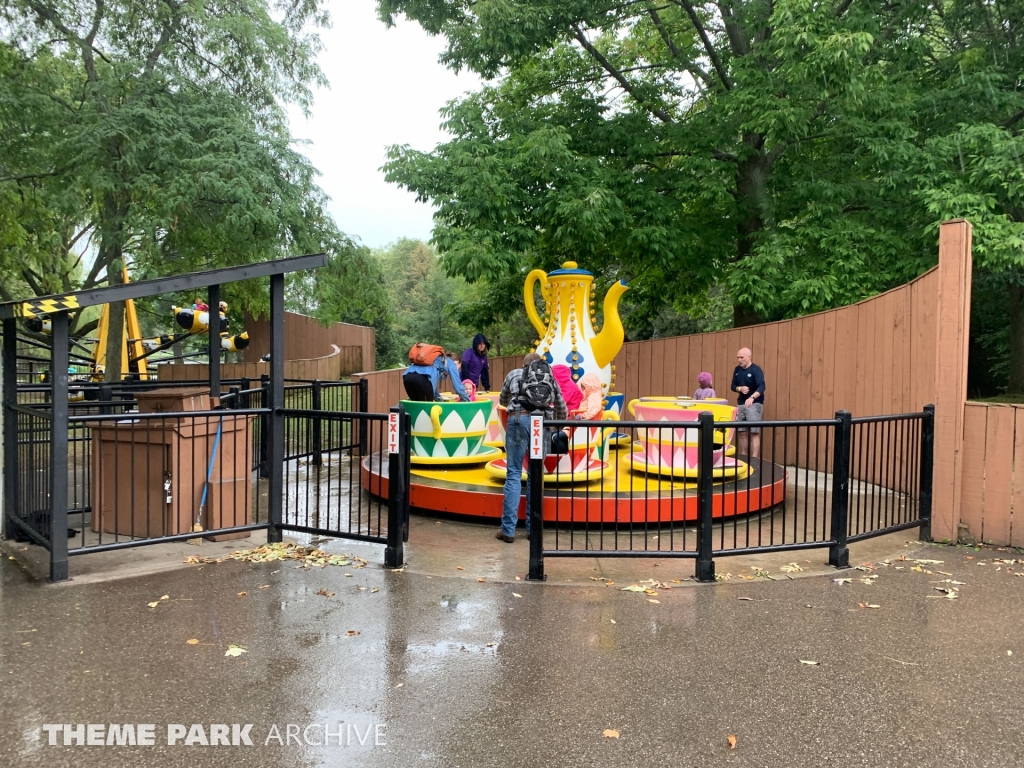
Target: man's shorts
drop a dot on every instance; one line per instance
(750, 413)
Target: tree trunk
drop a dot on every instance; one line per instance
(1016, 307)
(754, 211)
(111, 226)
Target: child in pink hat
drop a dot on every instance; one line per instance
(704, 390)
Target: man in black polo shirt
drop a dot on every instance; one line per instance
(748, 382)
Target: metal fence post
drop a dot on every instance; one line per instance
(264, 424)
(705, 570)
(927, 465)
(275, 441)
(10, 420)
(394, 550)
(364, 407)
(405, 446)
(536, 497)
(317, 406)
(213, 340)
(838, 552)
(244, 385)
(59, 449)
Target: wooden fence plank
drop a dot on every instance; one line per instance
(770, 355)
(998, 474)
(1017, 501)
(657, 384)
(973, 494)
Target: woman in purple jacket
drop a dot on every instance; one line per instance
(474, 363)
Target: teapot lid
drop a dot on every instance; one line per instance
(570, 268)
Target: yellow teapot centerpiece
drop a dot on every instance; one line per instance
(567, 332)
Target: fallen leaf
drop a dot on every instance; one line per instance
(654, 601)
(349, 575)
(732, 741)
(810, 663)
(193, 641)
(235, 650)
(242, 594)
(612, 620)
(375, 589)
(634, 588)
(869, 605)
(401, 684)
(482, 581)
(352, 633)
(843, 581)
(746, 598)
(491, 645)
(264, 586)
(610, 733)
(154, 604)
(516, 594)
(459, 568)
(791, 568)
(324, 592)
(165, 597)
(929, 562)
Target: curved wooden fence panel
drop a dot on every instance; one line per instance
(327, 368)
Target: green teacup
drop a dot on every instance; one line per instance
(448, 430)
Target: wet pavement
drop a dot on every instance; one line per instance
(458, 672)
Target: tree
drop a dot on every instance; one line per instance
(968, 162)
(169, 126)
(677, 144)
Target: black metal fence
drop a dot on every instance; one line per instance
(700, 490)
(131, 478)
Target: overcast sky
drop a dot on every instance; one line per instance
(386, 88)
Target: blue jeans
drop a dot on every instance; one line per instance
(517, 444)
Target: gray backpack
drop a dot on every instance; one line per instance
(537, 387)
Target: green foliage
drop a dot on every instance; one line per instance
(154, 134)
(428, 305)
(800, 154)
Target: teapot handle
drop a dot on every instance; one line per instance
(528, 300)
(629, 407)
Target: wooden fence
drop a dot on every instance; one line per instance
(992, 499)
(328, 368)
(305, 338)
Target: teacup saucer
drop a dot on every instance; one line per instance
(729, 468)
(486, 453)
(595, 470)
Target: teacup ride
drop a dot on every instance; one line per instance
(614, 402)
(495, 436)
(586, 459)
(449, 432)
(673, 451)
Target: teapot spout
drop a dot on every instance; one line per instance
(608, 342)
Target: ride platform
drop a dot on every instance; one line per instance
(619, 496)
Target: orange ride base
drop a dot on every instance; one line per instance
(623, 497)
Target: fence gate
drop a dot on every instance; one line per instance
(323, 491)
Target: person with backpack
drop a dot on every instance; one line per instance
(429, 365)
(527, 389)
